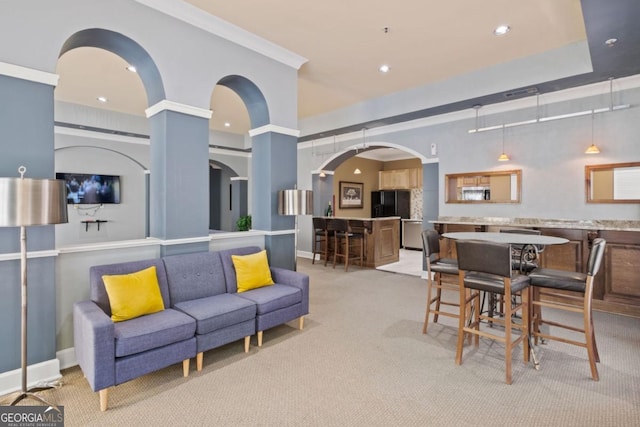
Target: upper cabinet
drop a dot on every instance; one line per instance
(400, 179)
(483, 187)
(613, 183)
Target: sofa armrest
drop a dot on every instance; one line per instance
(94, 342)
(293, 278)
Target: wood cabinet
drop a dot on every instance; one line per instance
(400, 179)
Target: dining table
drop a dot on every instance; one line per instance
(533, 240)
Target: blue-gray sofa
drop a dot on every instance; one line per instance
(202, 311)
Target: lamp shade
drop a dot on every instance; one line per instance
(25, 202)
(295, 202)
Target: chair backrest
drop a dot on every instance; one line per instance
(319, 223)
(431, 245)
(595, 256)
(356, 226)
(484, 257)
(523, 231)
(338, 224)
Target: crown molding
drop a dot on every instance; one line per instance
(178, 108)
(275, 129)
(197, 17)
(30, 74)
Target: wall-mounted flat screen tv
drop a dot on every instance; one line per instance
(91, 189)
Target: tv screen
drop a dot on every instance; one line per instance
(91, 189)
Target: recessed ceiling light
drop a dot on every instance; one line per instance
(501, 30)
(227, 124)
(132, 69)
(610, 42)
(102, 99)
(384, 68)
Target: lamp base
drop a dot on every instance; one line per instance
(31, 394)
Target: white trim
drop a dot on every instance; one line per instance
(185, 240)
(109, 245)
(178, 108)
(67, 358)
(275, 129)
(317, 172)
(304, 254)
(86, 133)
(30, 255)
(29, 74)
(239, 178)
(279, 232)
(147, 172)
(222, 151)
(431, 160)
(236, 234)
(37, 374)
(212, 24)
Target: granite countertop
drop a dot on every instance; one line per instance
(578, 224)
(381, 218)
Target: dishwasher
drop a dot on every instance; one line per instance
(412, 234)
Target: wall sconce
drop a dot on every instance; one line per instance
(357, 172)
(322, 174)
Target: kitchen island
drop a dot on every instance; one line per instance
(382, 240)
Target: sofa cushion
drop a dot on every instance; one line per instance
(273, 298)
(218, 311)
(133, 295)
(99, 293)
(152, 331)
(195, 275)
(252, 271)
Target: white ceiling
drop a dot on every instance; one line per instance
(345, 43)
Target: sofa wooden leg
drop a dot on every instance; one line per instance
(104, 398)
(199, 357)
(301, 322)
(185, 368)
(259, 338)
(247, 340)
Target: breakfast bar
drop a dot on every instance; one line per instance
(382, 240)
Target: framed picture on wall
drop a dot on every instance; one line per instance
(351, 195)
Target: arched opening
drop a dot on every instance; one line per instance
(238, 98)
(87, 101)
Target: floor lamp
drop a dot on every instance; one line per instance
(295, 202)
(25, 202)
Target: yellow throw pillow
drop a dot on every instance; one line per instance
(252, 271)
(133, 295)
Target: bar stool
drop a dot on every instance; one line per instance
(320, 239)
(359, 237)
(568, 291)
(436, 267)
(486, 266)
(341, 239)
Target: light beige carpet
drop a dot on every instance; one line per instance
(362, 361)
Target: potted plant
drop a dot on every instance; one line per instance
(243, 223)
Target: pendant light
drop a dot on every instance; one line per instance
(503, 157)
(593, 148)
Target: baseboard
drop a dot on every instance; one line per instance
(304, 254)
(38, 374)
(67, 358)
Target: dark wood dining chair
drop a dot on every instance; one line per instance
(343, 240)
(486, 266)
(321, 239)
(568, 291)
(436, 267)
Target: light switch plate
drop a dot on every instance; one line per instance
(434, 149)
